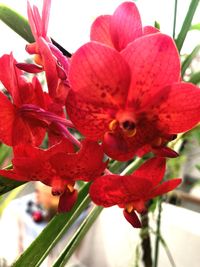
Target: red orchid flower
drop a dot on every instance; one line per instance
(132, 192)
(131, 100)
(120, 29)
(59, 167)
(48, 57)
(15, 126)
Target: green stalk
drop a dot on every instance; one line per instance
(169, 255)
(186, 24)
(186, 63)
(195, 78)
(175, 16)
(146, 241)
(115, 166)
(132, 166)
(158, 225)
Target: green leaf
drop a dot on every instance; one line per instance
(186, 24)
(195, 27)
(133, 166)
(77, 237)
(195, 78)
(175, 16)
(186, 63)
(16, 22)
(197, 166)
(157, 25)
(7, 185)
(57, 227)
(12, 195)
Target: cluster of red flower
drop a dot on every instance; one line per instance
(122, 91)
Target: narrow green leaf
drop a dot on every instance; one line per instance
(16, 22)
(195, 27)
(7, 185)
(133, 166)
(195, 78)
(186, 24)
(77, 237)
(12, 195)
(57, 227)
(186, 63)
(175, 16)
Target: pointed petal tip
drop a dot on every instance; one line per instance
(67, 201)
(166, 152)
(132, 218)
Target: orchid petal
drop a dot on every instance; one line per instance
(32, 22)
(149, 30)
(154, 64)
(153, 170)
(165, 187)
(83, 165)
(38, 20)
(45, 16)
(112, 190)
(165, 152)
(117, 147)
(132, 218)
(100, 30)
(7, 118)
(27, 131)
(67, 201)
(11, 77)
(179, 110)
(90, 119)
(31, 68)
(99, 74)
(12, 175)
(126, 25)
(49, 65)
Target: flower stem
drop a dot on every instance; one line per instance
(175, 15)
(146, 241)
(158, 224)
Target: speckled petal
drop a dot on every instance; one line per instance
(126, 25)
(91, 119)
(179, 110)
(112, 190)
(99, 74)
(154, 63)
(100, 30)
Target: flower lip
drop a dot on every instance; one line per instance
(127, 122)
